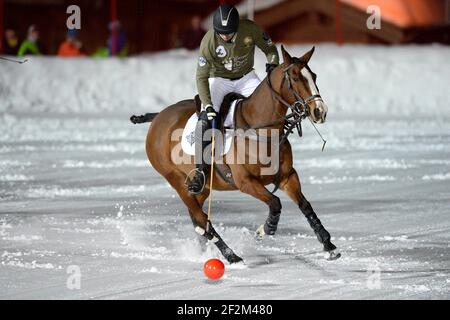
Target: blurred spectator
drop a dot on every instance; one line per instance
(30, 45)
(71, 46)
(121, 47)
(120, 44)
(10, 42)
(192, 37)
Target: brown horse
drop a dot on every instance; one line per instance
(289, 86)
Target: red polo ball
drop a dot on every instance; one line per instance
(214, 269)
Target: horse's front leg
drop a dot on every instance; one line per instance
(291, 185)
(256, 188)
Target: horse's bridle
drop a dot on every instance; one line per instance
(300, 101)
(299, 108)
(299, 111)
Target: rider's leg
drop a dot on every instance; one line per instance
(219, 87)
(197, 183)
(247, 84)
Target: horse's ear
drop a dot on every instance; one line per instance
(287, 59)
(307, 56)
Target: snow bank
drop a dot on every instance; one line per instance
(397, 81)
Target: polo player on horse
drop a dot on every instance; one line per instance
(288, 95)
(225, 65)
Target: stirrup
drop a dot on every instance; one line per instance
(188, 180)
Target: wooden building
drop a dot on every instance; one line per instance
(402, 21)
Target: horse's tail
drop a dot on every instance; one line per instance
(148, 117)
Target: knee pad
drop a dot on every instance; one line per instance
(200, 129)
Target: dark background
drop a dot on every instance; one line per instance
(154, 25)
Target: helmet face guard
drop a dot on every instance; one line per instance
(226, 19)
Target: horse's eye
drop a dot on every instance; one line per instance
(296, 79)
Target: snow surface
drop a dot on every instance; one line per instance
(76, 187)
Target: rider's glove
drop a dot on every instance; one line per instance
(270, 67)
(210, 112)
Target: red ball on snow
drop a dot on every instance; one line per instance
(214, 269)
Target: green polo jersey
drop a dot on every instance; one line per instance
(231, 59)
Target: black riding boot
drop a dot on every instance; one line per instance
(197, 183)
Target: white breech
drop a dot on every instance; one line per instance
(219, 87)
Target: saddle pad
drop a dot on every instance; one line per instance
(188, 137)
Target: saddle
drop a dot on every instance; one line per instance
(224, 108)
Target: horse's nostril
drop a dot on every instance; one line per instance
(317, 113)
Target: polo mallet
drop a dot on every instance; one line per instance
(13, 60)
(213, 141)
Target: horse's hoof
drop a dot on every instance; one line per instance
(234, 259)
(260, 233)
(332, 255)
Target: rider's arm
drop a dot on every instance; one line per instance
(203, 70)
(263, 41)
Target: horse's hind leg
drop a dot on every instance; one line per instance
(291, 185)
(198, 217)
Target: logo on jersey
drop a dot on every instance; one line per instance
(201, 61)
(248, 41)
(228, 64)
(221, 52)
